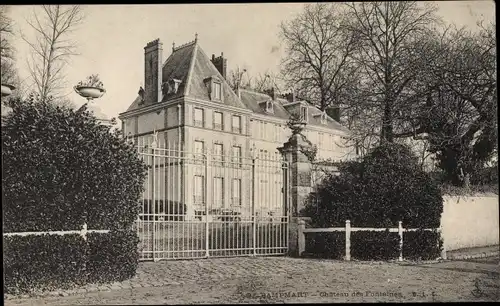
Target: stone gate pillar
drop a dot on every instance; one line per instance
(294, 152)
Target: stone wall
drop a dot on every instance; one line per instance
(470, 221)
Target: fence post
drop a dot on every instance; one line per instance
(443, 251)
(83, 231)
(400, 232)
(347, 240)
(301, 237)
(254, 219)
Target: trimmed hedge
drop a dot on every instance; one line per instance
(62, 169)
(65, 261)
(112, 257)
(377, 191)
(43, 262)
(423, 245)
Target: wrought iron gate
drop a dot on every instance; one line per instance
(198, 205)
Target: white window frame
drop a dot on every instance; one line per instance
(236, 201)
(202, 146)
(219, 126)
(199, 199)
(323, 118)
(218, 158)
(236, 160)
(215, 192)
(215, 85)
(196, 122)
(270, 107)
(233, 128)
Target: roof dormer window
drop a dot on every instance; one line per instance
(303, 113)
(323, 118)
(270, 107)
(217, 91)
(171, 86)
(214, 86)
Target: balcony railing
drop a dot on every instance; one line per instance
(199, 123)
(198, 200)
(236, 201)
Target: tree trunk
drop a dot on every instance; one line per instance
(387, 124)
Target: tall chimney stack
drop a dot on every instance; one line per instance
(220, 63)
(153, 71)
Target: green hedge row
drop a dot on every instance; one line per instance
(49, 262)
(424, 245)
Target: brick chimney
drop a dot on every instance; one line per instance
(334, 112)
(153, 72)
(220, 63)
(289, 96)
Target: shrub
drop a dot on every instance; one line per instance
(60, 170)
(374, 245)
(112, 257)
(424, 245)
(326, 245)
(383, 188)
(43, 262)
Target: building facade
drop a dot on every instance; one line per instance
(187, 103)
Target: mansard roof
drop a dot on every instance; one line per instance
(190, 65)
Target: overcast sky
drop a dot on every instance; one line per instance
(112, 39)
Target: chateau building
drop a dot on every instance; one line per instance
(187, 102)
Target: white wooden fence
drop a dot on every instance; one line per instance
(83, 232)
(348, 229)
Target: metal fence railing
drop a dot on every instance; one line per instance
(199, 204)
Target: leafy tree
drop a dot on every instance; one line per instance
(458, 118)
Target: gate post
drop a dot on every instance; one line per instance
(254, 219)
(153, 198)
(205, 191)
(300, 171)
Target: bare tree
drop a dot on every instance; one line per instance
(266, 82)
(236, 78)
(8, 67)
(52, 47)
(6, 54)
(241, 78)
(319, 47)
(389, 33)
(5, 31)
